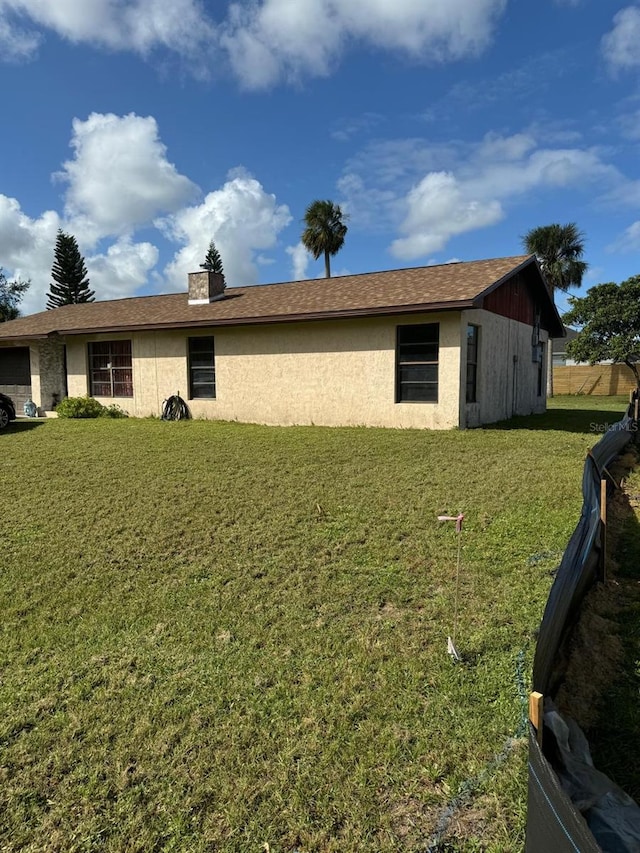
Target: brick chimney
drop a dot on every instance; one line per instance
(205, 287)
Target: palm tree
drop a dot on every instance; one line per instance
(325, 231)
(559, 249)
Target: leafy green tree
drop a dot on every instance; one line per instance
(11, 293)
(70, 284)
(325, 231)
(609, 321)
(213, 261)
(559, 250)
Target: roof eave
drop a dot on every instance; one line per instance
(357, 313)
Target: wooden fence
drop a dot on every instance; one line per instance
(598, 379)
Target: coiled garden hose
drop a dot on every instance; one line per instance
(175, 409)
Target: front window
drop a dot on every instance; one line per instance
(110, 371)
(417, 363)
(202, 369)
(472, 364)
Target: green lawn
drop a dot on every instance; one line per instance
(219, 637)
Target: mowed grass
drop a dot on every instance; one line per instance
(221, 637)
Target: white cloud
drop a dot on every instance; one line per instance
(240, 217)
(27, 252)
(138, 25)
(265, 40)
(278, 39)
(26, 249)
(621, 46)
(122, 269)
(430, 193)
(299, 261)
(629, 240)
(120, 178)
(438, 208)
(16, 43)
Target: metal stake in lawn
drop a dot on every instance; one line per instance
(451, 643)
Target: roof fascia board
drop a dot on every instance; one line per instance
(431, 308)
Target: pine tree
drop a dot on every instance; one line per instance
(70, 284)
(213, 261)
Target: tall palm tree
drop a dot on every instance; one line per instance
(325, 231)
(559, 249)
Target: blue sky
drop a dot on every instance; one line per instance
(445, 128)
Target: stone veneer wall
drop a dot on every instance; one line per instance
(48, 380)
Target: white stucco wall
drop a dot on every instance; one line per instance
(327, 373)
(506, 387)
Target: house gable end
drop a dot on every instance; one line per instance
(523, 296)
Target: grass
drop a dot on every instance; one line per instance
(221, 637)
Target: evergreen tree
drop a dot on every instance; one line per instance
(11, 292)
(213, 261)
(70, 284)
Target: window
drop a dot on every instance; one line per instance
(472, 364)
(110, 373)
(541, 371)
(417, 363)
(202, 369)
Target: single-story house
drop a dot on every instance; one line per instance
(560, 356)
(456, 345)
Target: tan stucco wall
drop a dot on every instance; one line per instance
(327, 373)
(505, 387)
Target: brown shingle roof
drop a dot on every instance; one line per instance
(419, 289)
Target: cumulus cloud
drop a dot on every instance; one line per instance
(26, 249)
(119, 177)
(430, 193)
(122, 269)
(621, 46)
(136, 25)
(299, 261)
(240, 217)
(265, 41)
(438, 208)
(278, 39)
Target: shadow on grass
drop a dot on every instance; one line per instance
(22, 426)
(594, 420)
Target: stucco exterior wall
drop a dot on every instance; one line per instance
(328, 373)
(507, 376)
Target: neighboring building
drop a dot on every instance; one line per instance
(436, 347)
(560, 356)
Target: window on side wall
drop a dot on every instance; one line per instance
(110, 371)
(202, 369)
(473, 333)
(541, 362)
(417, 363)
